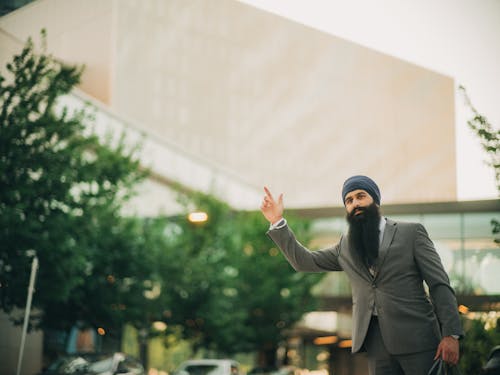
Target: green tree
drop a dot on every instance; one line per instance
(61, 195)
(490, 141)
(477, 344)
(275, 295)
(222, 284)
(234, 292)
(488, 135)
(478, 340)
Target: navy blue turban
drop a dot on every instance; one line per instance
(363, 183)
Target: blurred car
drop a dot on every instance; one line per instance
(492, 366)
(209, 367)
(273, 370)
(95, 364)
(263, 371)
(288, 370)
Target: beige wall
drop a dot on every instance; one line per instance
(273, 101)
(282, 104)
(78, 32)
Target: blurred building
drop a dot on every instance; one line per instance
(226, 98)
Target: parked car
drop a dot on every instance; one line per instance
(263, 371)
(288, 370)
(95, 364)
(284, 370)
(209, 367)
(492, 366)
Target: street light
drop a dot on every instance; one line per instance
(198, 217)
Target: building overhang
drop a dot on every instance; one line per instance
(486, 205)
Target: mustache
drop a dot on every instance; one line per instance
(357, 210)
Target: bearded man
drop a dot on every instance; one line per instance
(401, 327)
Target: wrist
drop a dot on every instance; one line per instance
(275, 221)
(278, 224)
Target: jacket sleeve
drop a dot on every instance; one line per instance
(301, 258)
(440, 290)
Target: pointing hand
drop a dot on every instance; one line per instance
(271, 209)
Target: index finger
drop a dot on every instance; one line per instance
(268, 193)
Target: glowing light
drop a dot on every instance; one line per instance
(463, 309)
(198, 217)
(323, 356)
(285, 292)
(101, 331)
(273, 251)
(325, 340)
(345, 344)
(159, 326)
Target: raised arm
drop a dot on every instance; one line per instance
(300, 258)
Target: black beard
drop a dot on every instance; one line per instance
(364, 233)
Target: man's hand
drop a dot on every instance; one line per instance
(272, 210)
(448, 350)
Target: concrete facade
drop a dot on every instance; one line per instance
(270, 100)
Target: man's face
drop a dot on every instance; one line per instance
(356, 201)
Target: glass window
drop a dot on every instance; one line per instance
(442, 225)
(477, 225)
(464, 242)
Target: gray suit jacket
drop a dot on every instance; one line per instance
(409, 321)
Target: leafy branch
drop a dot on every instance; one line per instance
(490, 141)
(490, 137)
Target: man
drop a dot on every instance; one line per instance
(394, 320)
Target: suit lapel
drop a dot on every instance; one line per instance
(390, 230)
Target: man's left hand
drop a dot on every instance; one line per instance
(448, 350)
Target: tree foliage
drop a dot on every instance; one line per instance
(61, 192)
(477, 344)
(488, 135)
(478, 340)
(234, 292)
(490, 141)
(222, 284)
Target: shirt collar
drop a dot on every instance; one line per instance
(381, 227)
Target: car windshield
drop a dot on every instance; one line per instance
(204, 370)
